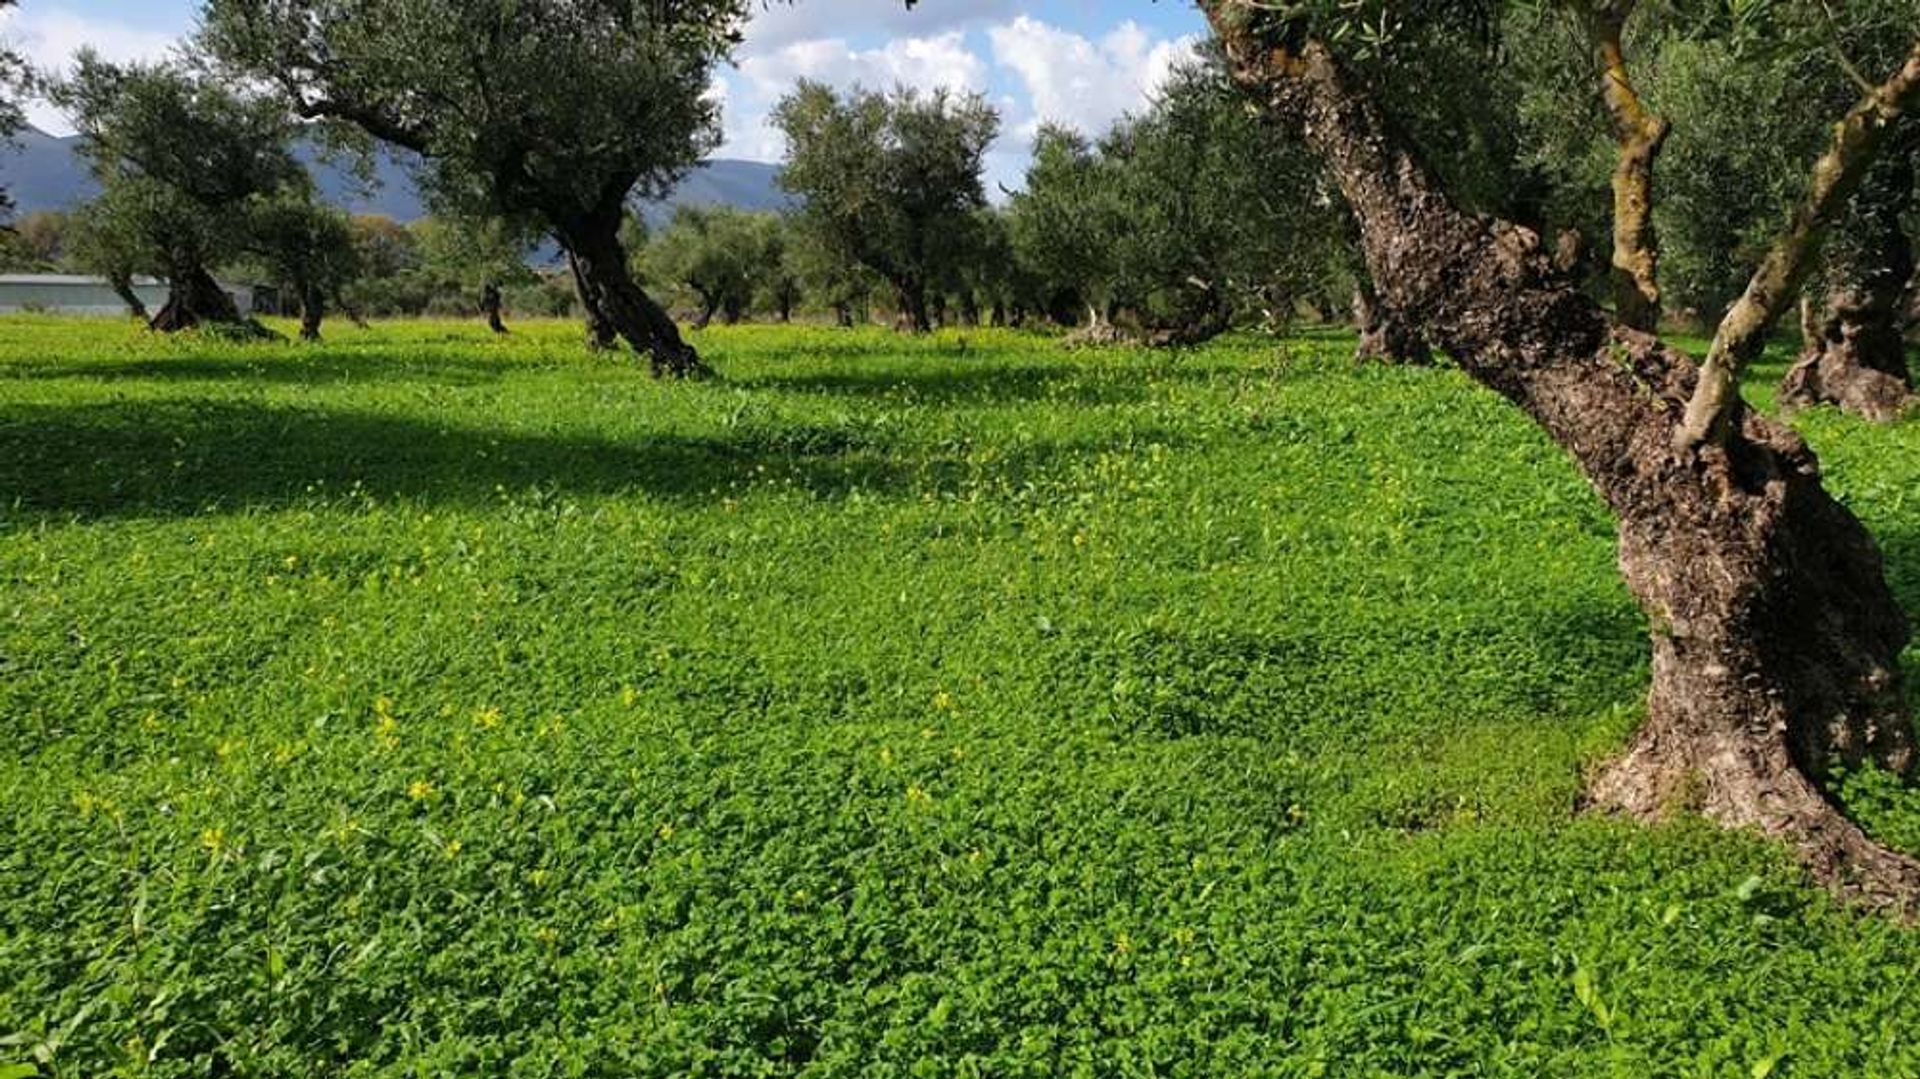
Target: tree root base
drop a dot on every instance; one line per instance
(1744, 787)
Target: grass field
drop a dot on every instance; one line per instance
(429, 705)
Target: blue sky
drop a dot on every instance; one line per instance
(1081, 62)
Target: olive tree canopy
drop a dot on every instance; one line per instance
(554, 112)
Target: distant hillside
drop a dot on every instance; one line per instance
(44, 173)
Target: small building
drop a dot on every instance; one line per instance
(78, 294)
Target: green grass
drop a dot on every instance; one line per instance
(429, 705)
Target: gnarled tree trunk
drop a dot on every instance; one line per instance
(1639, 136)
(193, 298)
(616, 307)
(1776, 639)
(1856, 356)
(492, 305)
(1383, 335)
(122, 285)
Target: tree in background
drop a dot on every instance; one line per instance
(552, 113)
(15, 78)
(718, 254)
(782, 277)
(475, 257)
(889, 180)
(100, 241)
(307, 247)
(179, 157)
(1182, 218)
(833, 279)
(1062, 222)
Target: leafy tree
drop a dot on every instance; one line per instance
(781, 279)
(15, 77)
(491, 254)
(309, 248)
(553, 113)
(716, 253)
(41, 239)
(889, 180)
(1778, 651)
(830, 277)
(1182, 217)
(103, 242)
(1063, 222)
(179, 157)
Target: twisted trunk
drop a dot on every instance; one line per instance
(491, 305)
(1776, 640)
(122, 285)
(193, 298)
(1638, 135)
(616, 307)
(1856, 353)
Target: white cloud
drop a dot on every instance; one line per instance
(1080, 82)
(749, 93)
(779, 23)
(49, 39)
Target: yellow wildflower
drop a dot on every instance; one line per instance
(419, 790)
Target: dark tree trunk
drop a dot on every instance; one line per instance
(122, 285)
(997, 315)
(492, 306)
(912, 298)
(193, 298)
(615, 305)
(843, 315)
(1384, 336)
(1776, 641)
(601, 335)
(1856, 354)
(313, 310)
(708, 305)
(969, 309)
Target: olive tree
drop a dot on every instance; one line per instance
(715, 253)
(888, 179)
(307, 247)
(180, 156)
(553, 112)
(1777, 641)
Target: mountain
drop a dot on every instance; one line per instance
(44, 172)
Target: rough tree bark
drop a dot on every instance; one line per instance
(601, 336)
(492, 305)
(193, 298)
(1856, 354)
(1384, 336)
(1857, 139)
(1638, 135)
(615, 305)
(1776, 640)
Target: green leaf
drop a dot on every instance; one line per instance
(18, 1071)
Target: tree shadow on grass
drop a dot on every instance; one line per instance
(314, 369)
(1001, 383)
(188, 458)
